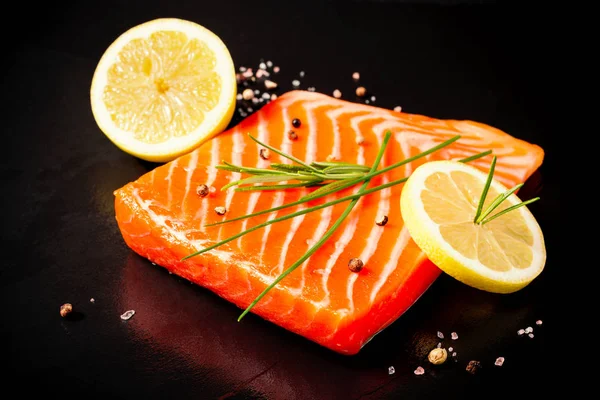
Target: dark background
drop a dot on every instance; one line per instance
(485, 61)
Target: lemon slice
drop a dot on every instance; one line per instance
(162, 88)
(439, 202)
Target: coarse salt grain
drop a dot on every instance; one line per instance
(266, 96)
(538, 322)
(261, 72)
(127, 314)
(311, 89)
(391, 370)
(356, 76)
(273, 96)
(295, 83)
(499, 361)
(269, 64)
(520, 332)
(439, 345)
(528, 329)
(530, 335)
(247, 94)
(450, 349)
(301, 74)
(270, 84)
(262, 65)
(242, 69)
(454, 335)
(419, 371)
(440, 335)
(337, 94)
(239, 96)
(398, 109)
(276, 69)
(92, 300)
(454, 354)
(373, 98)
(256, 92)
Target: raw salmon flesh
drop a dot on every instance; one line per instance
(162, 218)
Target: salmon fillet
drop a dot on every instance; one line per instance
(162, 218)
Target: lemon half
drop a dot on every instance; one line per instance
(439, 202)
(162, 88)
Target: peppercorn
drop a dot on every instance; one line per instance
(355, 264)
(382, 220)
(292, 135)
(296, 123)
(473, 366)
(202, 190)
(437, 356)
(66, 309)
(264, 154)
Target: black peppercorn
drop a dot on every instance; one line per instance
(355, 265)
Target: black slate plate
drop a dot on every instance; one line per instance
(449, 60)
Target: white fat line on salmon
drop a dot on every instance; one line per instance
(340, 246)
(443, 128)
(402, 125)
(266, 280)
(169, 178)
(236, 159)
(248, 281)
(310, 156)
(334, 115)
(286, 144)
(349, 230)
(297, 96)
(392, 262)
(296, 222)
(191, 167)
(210, 180)
(324, 222)
(181, 236)
(374, 236)
(342, 313)
(279, 196)
(152, 176)
(277, 201)
(260, 163)
(312, 122)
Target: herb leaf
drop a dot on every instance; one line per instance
(481, 217)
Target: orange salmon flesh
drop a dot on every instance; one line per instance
(162, 217)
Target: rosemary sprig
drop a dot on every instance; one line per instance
(327, 234)
(483, 216)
